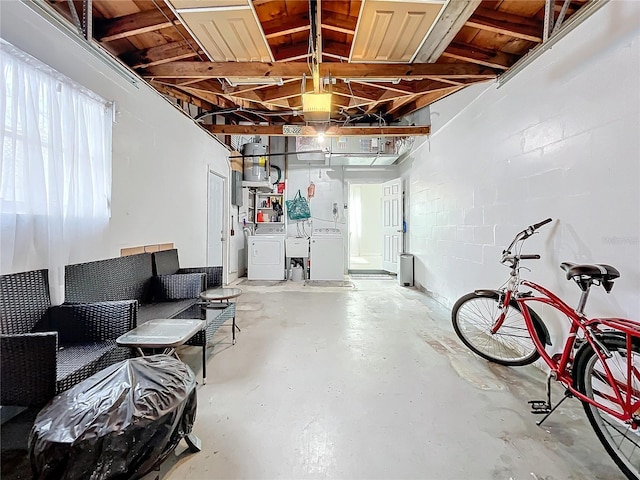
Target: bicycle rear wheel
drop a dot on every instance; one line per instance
(620, 440)
(474, 315)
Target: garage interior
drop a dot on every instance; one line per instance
(493, 115)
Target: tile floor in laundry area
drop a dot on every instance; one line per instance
(368, 381)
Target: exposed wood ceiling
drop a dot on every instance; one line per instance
(381, 59)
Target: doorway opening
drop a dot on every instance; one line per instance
(365, 229)
(215, 220)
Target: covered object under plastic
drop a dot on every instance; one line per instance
(118, 424)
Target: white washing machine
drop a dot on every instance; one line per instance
(266, 253)
(327, 254)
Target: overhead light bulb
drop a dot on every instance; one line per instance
(321, 137)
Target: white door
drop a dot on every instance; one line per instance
(391, 224)
(215, 220)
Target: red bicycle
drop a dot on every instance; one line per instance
(599, 363)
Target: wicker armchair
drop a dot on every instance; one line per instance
(45, 350)
(166, 262)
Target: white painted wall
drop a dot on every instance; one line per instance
(160, 157)
(331, 185)
(560, 140)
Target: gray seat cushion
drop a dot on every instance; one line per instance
(79, 361)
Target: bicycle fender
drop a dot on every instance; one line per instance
(487, 293)
(606, 338)
(541, 328)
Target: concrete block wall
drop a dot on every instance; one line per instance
(562, 140)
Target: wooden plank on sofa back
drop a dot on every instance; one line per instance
(24, 301)
(121, 278)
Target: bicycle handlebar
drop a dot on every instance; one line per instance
(523, 235)
(538, 225)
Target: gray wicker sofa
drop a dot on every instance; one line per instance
(132, 278)
(160, 286)
(46, 349)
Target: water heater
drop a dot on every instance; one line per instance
(255, 162)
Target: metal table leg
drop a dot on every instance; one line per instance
(194, 442)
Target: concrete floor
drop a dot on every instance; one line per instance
(368, 381)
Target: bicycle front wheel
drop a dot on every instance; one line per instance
(621, 440)
(473, 317)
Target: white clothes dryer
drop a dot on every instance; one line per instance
(266, 253)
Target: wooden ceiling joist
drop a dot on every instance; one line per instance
(210, 97)
(310, 131)
(291, 52)
(470, 41)
(452, 19)
(170, 52)
(423, 101)
(506, 24)
(402, 87)
(184, 69)
(361, 91)
(480, 56)
(288, 90)
(180, 95)
(134, 24)
(286, 25)
(337, 22)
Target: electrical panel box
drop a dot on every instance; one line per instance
(236, 188)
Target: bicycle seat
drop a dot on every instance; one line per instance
(603, 274)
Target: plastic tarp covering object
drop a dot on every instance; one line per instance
(118, 424)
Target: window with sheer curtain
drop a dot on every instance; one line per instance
(55, 176)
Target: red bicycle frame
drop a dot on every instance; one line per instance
(626, 396)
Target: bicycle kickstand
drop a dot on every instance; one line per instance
(543, 407)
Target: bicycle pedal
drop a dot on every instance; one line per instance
(539, 407)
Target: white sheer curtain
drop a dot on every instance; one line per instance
(55, 176)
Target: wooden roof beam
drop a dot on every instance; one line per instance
(336, 49)
(481, 56)
(170, 52)
(310, 131)
(286, 25)
(446, 28)
(402, 87)
(506, 24)
(210, 97)
(288, 90)
(362, 91)
(423, 101)
(291, 52)
(180, 95)
(339, 23)
(184, 69)
(426, 86)
(134, 24)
